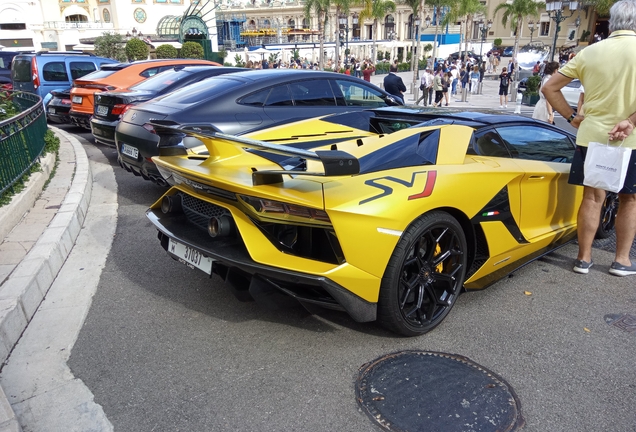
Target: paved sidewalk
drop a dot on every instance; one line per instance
(39, 229)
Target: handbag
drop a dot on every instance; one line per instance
(606, 166)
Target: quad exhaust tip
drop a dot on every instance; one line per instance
(220, 226)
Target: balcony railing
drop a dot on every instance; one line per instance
(62, 25)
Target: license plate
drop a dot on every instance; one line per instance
(51, 110)
(190, 257)
(102, 110)
(77, 99)
(129, 151)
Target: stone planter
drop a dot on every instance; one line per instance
(530, 99)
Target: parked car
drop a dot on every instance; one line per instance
(508, 51)
(386, 214)
(111, 105)
(472, 54)
(59, 106)
(495, 51)
(45, 71)
(571, 92)
(6, 58)
(117, 76)
(239, 102)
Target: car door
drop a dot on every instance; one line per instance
(548, 202)
(300, 99)
(351, 94)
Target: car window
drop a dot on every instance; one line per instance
(21, 71)
(149, 72)
(200, 91)
(489, 143)
(279, 96)
(537, 143)
(99, 74)
(312, 93)
(54, 71)
(5, 60)
(256, 99)
(574, 84)
(350, 93)
(79, 69)
(162, 80)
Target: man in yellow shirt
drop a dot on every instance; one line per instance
(608, 73)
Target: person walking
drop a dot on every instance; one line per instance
(504, 82)
(447, 79)
(438, 87)
(608, 74)
(474, 79)
(454, 79)
(393, 83)
(426, 86)
(543, 110)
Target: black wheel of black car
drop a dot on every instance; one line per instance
(424, 276)
(608, 216)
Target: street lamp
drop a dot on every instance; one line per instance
(531, 26)
(343, 19)
(483, 29)
(415, 64)
(555, 8)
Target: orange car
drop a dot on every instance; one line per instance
(114, 77)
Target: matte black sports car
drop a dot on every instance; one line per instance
(59, 106)
(109, 106)
(241, 102)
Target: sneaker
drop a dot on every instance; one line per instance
(500, 106)
(582, 267)
(505, 106)
(617, 269)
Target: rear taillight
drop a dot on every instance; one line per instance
(34, 73)
(120, 109)
(150, 128)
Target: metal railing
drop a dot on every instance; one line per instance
(21, 139)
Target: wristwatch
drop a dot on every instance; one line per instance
(571, 117)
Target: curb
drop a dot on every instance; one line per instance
(26, 287)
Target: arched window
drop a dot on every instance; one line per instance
(389, 27)
(305, 23)
(266, 23)
(291, 24)
(76, 18)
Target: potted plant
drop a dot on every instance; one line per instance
(531, 94)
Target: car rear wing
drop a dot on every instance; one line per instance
(334, 162)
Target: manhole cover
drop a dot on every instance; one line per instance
(429, 391)
(624, 322)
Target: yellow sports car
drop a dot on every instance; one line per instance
(385, 214)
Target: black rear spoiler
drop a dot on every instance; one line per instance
(334, 162)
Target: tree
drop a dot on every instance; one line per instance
(192, 50)
(321, 9)
(343, 7)
(416, 8)
(439, 5)
(136, 49)
(110, 45)
(516, 11)
(602, 6)
(464, 9)
(166, 52)
(376, 10)
(223, 54)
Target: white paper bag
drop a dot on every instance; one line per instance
(606, 166)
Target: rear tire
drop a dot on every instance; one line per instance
(424, 276)
(608, 216)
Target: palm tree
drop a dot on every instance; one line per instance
(517, 11)
(376, 10)
(438, 5)
(321, 9)
(464, 9)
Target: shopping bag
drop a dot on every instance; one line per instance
(606, 166)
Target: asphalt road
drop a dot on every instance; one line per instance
(164, 348)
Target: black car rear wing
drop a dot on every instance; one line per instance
(334, 162)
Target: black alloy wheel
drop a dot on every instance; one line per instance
(608, 216)
(424, 276)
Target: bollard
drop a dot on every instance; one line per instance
(518, 106)
(465, 94)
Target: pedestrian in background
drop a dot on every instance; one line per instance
(543, 110)
(504, 82)
(426, 86)
(393, 83)
(447, 79)
(367, 71)
(608, 73)
(474, 79)
(437, 87)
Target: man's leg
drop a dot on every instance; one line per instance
(589, 217)
(625, 227)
